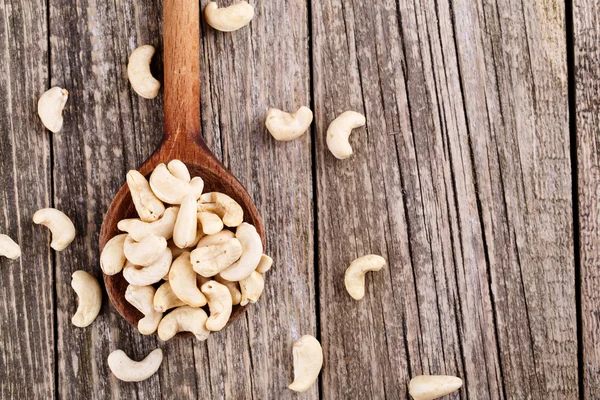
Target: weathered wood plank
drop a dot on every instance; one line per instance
(26, 287)
(586, 41)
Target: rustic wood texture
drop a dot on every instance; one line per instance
(586, 42)
(461, 179)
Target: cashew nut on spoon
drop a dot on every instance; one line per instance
(140, 76)
(285, 126)
(142, 298)
(429, 387)
(183, 281)
(228, 19)
(224, 206)
(128, 370)
(251, 254)
(339, 132)
(139, 229)
(50, 108)
(219, 303)
(355, 274)
(113, 258)
(165, 298)
(145, 252)
(210, 260)
(251, 288)
(184, 319)
(186, 225)
(143, 276)
(265, 264)
(63, 230)
(147, 205)
(8, 247)
(172, 190)
(90, 298)
(308, 360)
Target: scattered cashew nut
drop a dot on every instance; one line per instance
(142, 298)
(140, 76)
(355, 274)
(8, 247)
(171, 189)
(128, 370)
(147, 205)
(165, 298)
(228, 19)
(339, 132)
(217, 238)
(285, 126)
(251, 287)
(265, 264)
(50, 108)
(89, 298)
(429, 387)
(224, 206)
(138, 229)
(184, 319)
(145, 252)
(113, 258)
(183, 281)
(234, 290)
(210, 223)
(143, 276)
(179, 170)
(219, 303)
(63, 230)
(251, 254)
(308, 360)
(210, 260)
(186, 225)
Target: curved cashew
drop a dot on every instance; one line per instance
(8, 247)
(210, 260)
(339, 132)
(251, 287)
(113, 258)
(63, 230)
(308, 360)
(179, 170)
(217, 238)
(142, 298)
(165, 298)
(134, 371)
(355, 274)
(145, 252)
(147, 205)
(140, 76)
(210, 223)
(285, 126)
(50, 108)
(219, 303)
(89, 297)
(184, 319)
(230, 18)
(251, 254)
(143, 276)
(186, 225)
(183, 281)
(429, 387)
(224, 206)
(172, 190)
(265, 264)
(234, 291)
(138, 229)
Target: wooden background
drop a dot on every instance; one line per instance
(477, 177)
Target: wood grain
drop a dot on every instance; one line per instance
(586, 41)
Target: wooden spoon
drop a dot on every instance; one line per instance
(182, 140)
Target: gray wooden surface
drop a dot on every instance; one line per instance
(475, 177)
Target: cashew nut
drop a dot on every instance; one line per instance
(217, 238)
(50, 108)
(339, 132)
(143, 276)
(183, 281)
(234, 291)
(89, 298)
(140, 76)
(184, 319)
(8, 247)
(285, 126)
(134, 371)
(179, 170)
(429, 387)
(210, 260)
(142, 298)
(251, 254)
(165, 298)
(224, 206)
(308, 360)
(251, 287)
(138, 229)
(230, 18)
(146, 251)
(147, 205)
(219, 303)
(113, 258)
(355, 274)
(63, 230)
(210, 222)
(186, 225)
(265, 264)
(171, 189)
